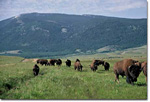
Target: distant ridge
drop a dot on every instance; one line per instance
(45, 34)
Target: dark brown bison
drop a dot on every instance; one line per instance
(36, 70)
(144, 67)
(38, 61)
(77, 65)
(129, 68)
(68, 63)
(106, 65)
(59, 62)
(52, 62)
(42, 61)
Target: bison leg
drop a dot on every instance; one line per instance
(106, 68)
(74, 68)
(117, 77)
(78, 68)
(81, 68)
(35, 74)
(129, 80)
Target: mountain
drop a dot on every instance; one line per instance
(43, 34)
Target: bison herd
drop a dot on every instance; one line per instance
(127, 67)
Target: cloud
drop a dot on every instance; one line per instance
(121, 5)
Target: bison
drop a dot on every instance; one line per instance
(52, 62)
(77, 65)
(68, 63)
(42, 61)
(144, 67)
(93, 67)
(36, 70)
(106, 65)
(129, 68)
(59, 62)
(96, 63)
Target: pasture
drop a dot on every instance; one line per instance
(18, 82)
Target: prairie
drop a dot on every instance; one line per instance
(18, 82)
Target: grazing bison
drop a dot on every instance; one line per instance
(77, 65)
(68, 63)
(59, 62)
(93, 67)
(96, 63)
(52, 62)
(144, 67)
(42, 61)
(36, 70)
(129, 68)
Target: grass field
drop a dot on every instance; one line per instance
(18, 82)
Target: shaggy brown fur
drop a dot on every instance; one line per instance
(129, 68)
(77, 65)
(144, 67)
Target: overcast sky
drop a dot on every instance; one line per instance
(116, 8)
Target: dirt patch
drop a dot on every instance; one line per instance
(26, 60)
(34, 60)
(29, 60)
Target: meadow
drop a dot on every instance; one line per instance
(18, 82)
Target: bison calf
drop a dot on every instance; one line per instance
(36, 70)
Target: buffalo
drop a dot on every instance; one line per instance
(68, 63)
(52, 62)
(96, 63)
(59, 62)
(42, 61)
(36, 70)
(106, 65)
(129, 68)
(144, 67)
(77, 65)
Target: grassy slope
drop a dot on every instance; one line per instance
(64, 82)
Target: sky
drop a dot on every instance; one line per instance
(115, 8)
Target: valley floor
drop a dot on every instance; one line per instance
(18, 82)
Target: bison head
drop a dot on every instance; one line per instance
(77, 60)
(134, 71)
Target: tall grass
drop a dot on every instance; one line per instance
(63, 82)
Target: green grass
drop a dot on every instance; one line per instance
(55, 82)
